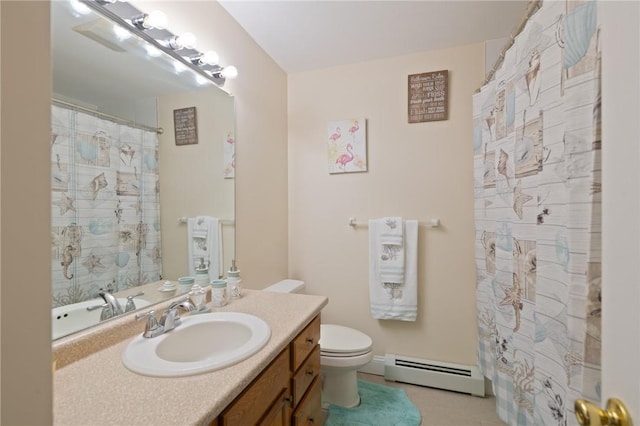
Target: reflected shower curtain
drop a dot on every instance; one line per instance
(537, 214)
(105, 213)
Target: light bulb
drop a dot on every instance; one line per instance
(229, 72)
(146, 21)
(156, 19)
(187, 41)
(184, 41)
(209, 57)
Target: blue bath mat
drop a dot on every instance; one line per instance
(379, 406)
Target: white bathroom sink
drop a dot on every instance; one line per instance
(202, 343)
(68, 319)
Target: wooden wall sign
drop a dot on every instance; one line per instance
(185, 124)
(429, 96)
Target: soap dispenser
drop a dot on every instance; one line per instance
(233, 281)
(202, 274)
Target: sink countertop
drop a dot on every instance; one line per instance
(99, 389)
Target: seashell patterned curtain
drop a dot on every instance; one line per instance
(537, 175)
(105, 231)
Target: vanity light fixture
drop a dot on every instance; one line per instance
(229, 72)
(183, 41)
(147, 21)
(151, 27)
(207, 58)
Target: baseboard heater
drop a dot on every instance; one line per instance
(435, 374)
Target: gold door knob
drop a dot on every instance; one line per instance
(616, 413)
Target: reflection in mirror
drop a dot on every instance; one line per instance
(119, 183)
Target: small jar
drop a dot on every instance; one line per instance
(185, 284)
(219, 296)
(202, 274)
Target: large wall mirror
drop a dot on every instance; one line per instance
(123, 191)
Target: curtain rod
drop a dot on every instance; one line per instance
(533, 7)
(119, 120)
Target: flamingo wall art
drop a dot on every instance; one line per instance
(229, 151)
(347, 145)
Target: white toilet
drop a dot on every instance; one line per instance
(343, 351)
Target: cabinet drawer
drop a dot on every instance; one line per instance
(304, 343)
(309, 412)
(259, 396)
(305, 375)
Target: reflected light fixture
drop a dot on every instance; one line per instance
(147, 21)
(179, 67)
(201, 80)
(121, 33)
(80, 7)
(153, 51)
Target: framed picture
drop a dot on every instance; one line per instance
(428, 96)
(185, 123)
(347, 146)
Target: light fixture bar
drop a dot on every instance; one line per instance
(103, 9)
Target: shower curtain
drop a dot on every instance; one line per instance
(537, 189)
(105, 231)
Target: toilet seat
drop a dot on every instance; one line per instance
(341, 342)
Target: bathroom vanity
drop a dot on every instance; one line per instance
(279, 385)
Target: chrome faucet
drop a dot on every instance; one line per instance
(152, 328)
(170, 318)
(112, 304)
(131, 305)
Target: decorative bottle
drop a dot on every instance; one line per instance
(233, 281)
(202, 274)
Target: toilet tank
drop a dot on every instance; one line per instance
(287, 286)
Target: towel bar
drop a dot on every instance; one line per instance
(433, 223)
(184, 219)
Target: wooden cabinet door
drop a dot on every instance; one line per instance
(280, 412)
(260, 397)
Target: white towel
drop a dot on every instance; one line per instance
(204, 242)
(391, 262)
(390, 299)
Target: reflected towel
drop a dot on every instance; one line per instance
(390, 299)
(204, 242)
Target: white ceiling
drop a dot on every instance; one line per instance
(302, 35)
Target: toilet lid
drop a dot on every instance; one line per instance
(337, 339)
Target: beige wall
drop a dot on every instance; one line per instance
(25, 310)
(192, 181)
(419, 171)
(261, 133)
